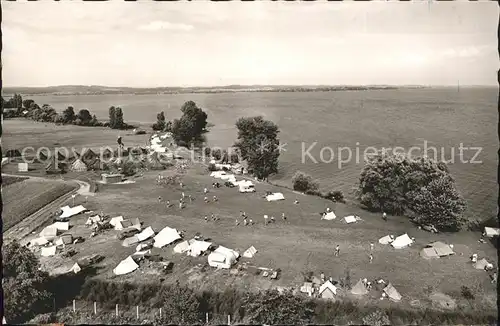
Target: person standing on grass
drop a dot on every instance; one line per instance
(245, 222)
(206, 199)
(190, 199)
(371, 258)
(159, 199)
(215, 198)
(205, 190)
(168, 203)
(384, 216)
(183, 195)
(322, 276)
(337, 250)
(272, 219)
(206, 218)
(283, 217)
(181, 184)
(371, 246)
(265, 219)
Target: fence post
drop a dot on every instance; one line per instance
(160, 313)
(74, 306)
(117, 310)
(229, 319)
(137, 309)
(95, 308)
(206, 317)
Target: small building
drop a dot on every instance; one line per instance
(112, 178)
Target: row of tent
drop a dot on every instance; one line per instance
(347, 219)
(243, 185)
(400, 242)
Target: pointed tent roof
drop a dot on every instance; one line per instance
(402, 241)
(250, 252)
(181, 247)
(481, 264)
(330, 216)
(442, 249)
(49, 251)
(392, 293)
(128, 265)
(130, 241)
(146, 234)
(75, 269)
(385, 240)
(491, 232)
(166, 237)
(196, 247)
(78, 166)
(428, 253)
(359, 288)
(328, 285)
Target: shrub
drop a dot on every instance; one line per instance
(234, 158)
(304, 182)
(335, 196)
(207, 151)
(313, 192)
(211, 167)
(420, 188)
(466, 293)
(217, 154)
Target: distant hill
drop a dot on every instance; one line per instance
(99, 90)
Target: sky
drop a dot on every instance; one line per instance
(152, 44)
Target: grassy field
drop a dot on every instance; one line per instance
(25, 197)
(299, 245)
(441, 116)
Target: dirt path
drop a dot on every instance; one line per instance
(24, 228)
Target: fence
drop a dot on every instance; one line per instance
(139, 313)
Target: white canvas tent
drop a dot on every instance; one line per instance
(491, 232)
(126, 266)
(246, 186)
(49, 251)
(218, 174)
(222, 257)
(198, 247)
(115, 220)
(350, 219)
(49, 232)
(181, 247)
(130, 241)
(441, 249)
(93, 219)
(428, 253)
(78, 166)
(330, 216)
(5, 160)
(68, 212)
(402, 241)
(166, 237)
(392, 293)
(22, 167)
(75, 269)
(141, 246)
(64, 240)
(359, 288)
(39, 241)
(61, 226)
(146, 234)
(276, 196)
(250, 252)
(385, 240)
(481, 264)
(327, 290)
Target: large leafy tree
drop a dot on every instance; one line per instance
(191, 126)
(160, 123)
(420, 188)
(84, 116)
(68, 115)
(274, 308)
(24, 285)
(119, 124)
(180, 305)
(112, 117)
(258, 144)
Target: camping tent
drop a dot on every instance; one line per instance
(350, 219)
(181, 247)
(22, 167)
(385, 240)
(402, 241)
(93, 219)
(142, 246)
(359, 288)
(392, 293)
(124, 224)
(126, 266)
(329, 216)
(39, 241)
(217, 174)
(307, 288)
(481, 264)
(49, 232)
(64, 240)
(327, 290)
(130, 241)
(49, 251)
(491, 232)
(114, 221)
(429, 253)
(78, 166)
(166, 237)
(136, 224)
(276, 196)
(61, 226)
(250, 252)
(146, 234)
(442, 249)
(246, 186)
(222, 257)
(68, 212)
(75, 269)
(196, 247)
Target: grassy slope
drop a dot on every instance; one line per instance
(23, 198)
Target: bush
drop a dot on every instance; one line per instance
(304, 182)
(207, 151)
(211, 167)
(420, 188)
(335, 196)
(314, 193)
(466, 293)
(217, 154)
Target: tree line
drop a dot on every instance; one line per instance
(31, 110)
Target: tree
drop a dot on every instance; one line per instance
(94, 122)
(420, 188)
(159, 125)
(84, 116)
(274, 308)
(119, 124)
(304, 182)
(258, 144)
(180, 304)
(191, 125)
(68, 115)
(112, 117)
(23, 283)
(182, 131)
(27, 103)
(198, 117)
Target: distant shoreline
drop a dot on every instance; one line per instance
(103, 90)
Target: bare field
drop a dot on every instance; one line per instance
(302, 243)
(21, 199)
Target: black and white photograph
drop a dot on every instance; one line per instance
(250, 162)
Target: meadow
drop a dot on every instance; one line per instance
(444, 117)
